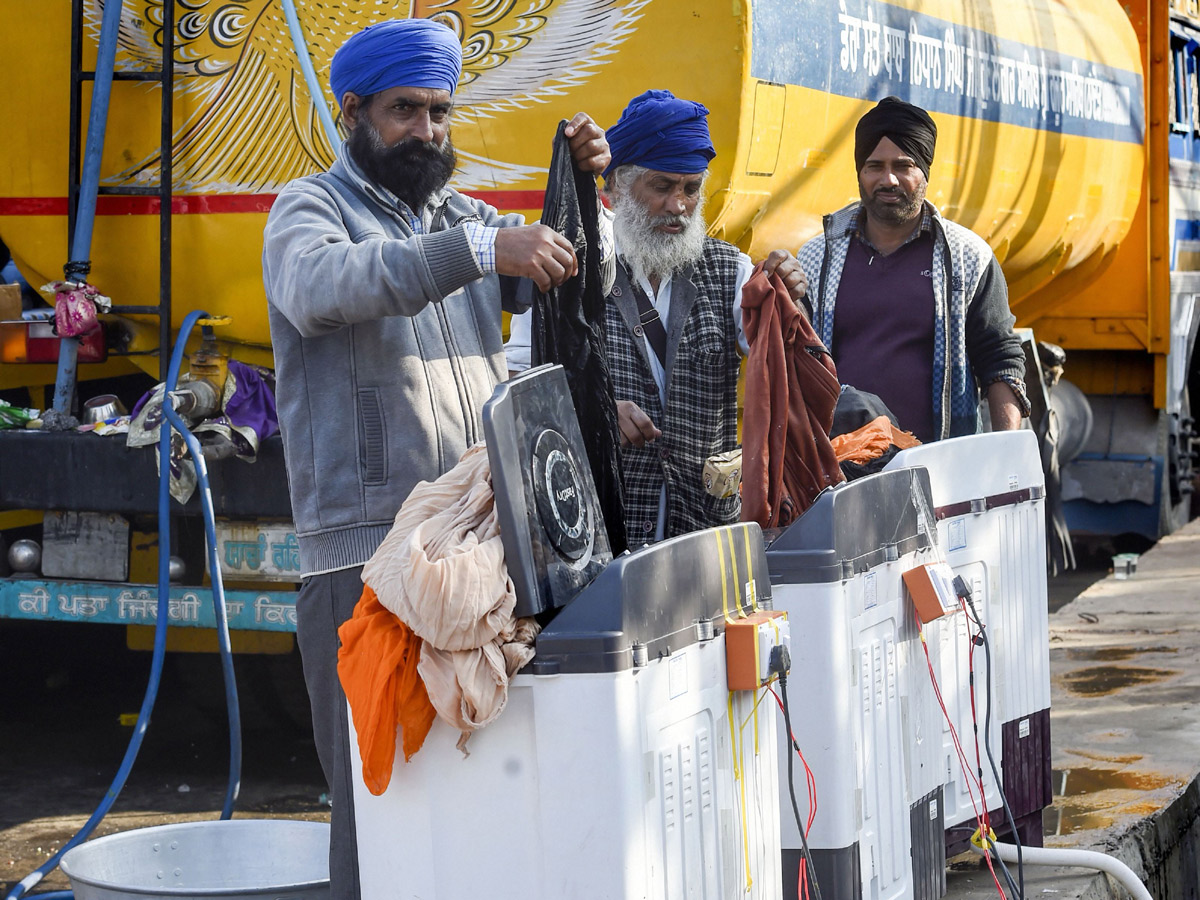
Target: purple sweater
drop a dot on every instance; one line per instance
(885, 312)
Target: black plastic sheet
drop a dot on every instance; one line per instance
(568, 329)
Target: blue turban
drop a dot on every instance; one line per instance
(661, 132)
(416, 53)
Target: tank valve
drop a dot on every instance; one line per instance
(196, 399)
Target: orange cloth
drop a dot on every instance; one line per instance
(791, 391)
(377, 665)
(871, 441)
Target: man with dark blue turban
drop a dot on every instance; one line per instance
(674, 319)
(913, 307)
(384, 296)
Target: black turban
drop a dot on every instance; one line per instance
(908, 127)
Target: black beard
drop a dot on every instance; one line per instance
(894, 215)
(413, 170)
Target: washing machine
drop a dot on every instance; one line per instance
(862, 706)
(622, 766)
(989, 504)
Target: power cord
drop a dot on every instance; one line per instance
(963, 590)
(779, 662)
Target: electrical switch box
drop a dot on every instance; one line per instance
(748, 645)
(931, 586)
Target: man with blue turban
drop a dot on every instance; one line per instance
(673, 320)
(384, 292)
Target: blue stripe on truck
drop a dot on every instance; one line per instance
(137, 604)
(866, 49)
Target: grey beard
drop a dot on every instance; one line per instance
(656, 253)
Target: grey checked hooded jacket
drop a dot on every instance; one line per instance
(387, 344)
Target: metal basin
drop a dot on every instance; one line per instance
(102, 407)
(279, 858)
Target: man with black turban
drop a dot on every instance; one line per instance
(913, 307)
(384, 302)
(673, 319)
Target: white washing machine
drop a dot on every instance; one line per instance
(988, 499)
(864, 716)
(621, 767)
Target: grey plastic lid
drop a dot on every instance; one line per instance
(550, 523)
(854, 527)
(654, 597)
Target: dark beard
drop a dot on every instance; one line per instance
(894, 215)
(412, 170)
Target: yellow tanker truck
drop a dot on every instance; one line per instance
(1066, 131)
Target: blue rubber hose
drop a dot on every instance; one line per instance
(160, 629)
(218, 594)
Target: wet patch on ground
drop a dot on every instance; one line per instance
(1086, 799)
(1098, 681)
(1113, 654)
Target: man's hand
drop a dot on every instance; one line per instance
(589, 148)
(636, 427)
(788, 268)
(1003, 408)
(536, 252)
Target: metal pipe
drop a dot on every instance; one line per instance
(85, 215)
(166, 185)
(310, 75)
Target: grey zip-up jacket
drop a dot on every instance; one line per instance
(387, 344)
(974, 342)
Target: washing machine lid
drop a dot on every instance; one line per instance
(551, 527)
(994, 468)
(654, 598)
(855, 527)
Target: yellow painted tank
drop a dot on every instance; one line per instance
(1039, 105)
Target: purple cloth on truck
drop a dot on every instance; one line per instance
(253, 402)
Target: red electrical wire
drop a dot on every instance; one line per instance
(974, 711)
(811, 783)
(980, 817)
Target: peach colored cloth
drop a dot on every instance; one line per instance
(791, 391)
(871, 441)
(377, 665)
(441, 570)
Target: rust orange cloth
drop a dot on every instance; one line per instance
(871, 441)
(377, 665)
(791, 391)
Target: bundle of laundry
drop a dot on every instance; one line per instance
(434, 631)
(791, 391)
(865, 433)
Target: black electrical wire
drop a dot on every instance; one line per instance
(987, 718)
(964, 592)
(781, 671)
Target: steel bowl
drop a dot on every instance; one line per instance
(104, 406)
(274, 859)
